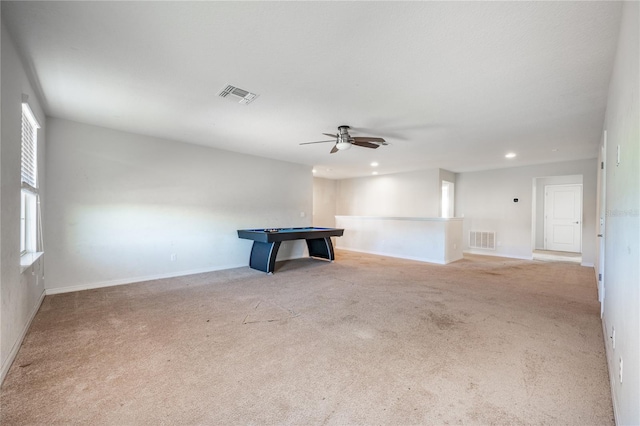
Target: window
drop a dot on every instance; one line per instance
(29, 178)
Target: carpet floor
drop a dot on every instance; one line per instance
(364, 340)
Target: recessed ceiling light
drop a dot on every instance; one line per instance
(510, 155)
(374, 173)
(313, 170)
(374, 164)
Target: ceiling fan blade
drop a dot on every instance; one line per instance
(307, 143)
(330, 135)
(334, 150)
(368, 139)
(366, 144)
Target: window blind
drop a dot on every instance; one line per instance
(29, 171)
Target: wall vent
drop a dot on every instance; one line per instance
(235, 93)
(485, 240)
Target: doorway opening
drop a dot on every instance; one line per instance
(447, 199)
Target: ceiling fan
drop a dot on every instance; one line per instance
(343, 140)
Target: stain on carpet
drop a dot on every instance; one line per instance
(443, 321)
(264, 311)
(532, 368)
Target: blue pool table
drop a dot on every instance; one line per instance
(266, 243)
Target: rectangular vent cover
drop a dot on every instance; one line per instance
(232, 92)
(485, 240)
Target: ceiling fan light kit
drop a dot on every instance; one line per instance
(342, 145)
(343, 140)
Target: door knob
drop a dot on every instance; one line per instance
(576, 222)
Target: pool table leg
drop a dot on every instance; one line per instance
(321, 247)
(263, 256)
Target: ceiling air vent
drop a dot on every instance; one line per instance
(235, 93)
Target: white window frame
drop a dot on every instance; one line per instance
(28, 222)
(29, 183)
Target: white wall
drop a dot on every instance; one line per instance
(434, 240)
(324, 202)
(412, 194)
(486, 201)
(622, 231)
(120, 204)
(20, 292)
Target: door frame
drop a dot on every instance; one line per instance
(602, 210)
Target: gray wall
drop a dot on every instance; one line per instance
(20, 292)
(622, 229)
(120, 205)
(486, 201)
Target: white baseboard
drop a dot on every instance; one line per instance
(132, 280)
(483, 253)
(612, 377)
(419, 259)
(18, 343)
(491, 253)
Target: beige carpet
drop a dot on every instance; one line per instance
(365, 340)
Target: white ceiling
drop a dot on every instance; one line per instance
(450, 85)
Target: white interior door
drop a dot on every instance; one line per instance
(563, 218)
